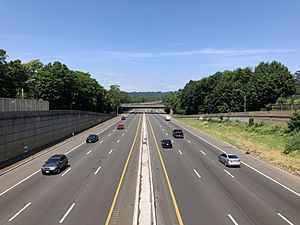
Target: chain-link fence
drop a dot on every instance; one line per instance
(281, 107)
(17, 105)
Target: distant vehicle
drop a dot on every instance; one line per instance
(55, 164)
(168, 118)
(92, 138)
(123, 118)
(178, 133)
(120, 127)
(230, 159)
(166, 143)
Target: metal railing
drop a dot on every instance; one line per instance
(17, 105)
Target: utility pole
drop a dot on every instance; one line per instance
(245, 99)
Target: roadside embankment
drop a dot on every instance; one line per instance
(264, 141)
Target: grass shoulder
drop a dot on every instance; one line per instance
(264, 141)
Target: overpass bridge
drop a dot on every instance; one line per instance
(142, 106)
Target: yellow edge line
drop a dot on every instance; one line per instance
(122, 177)
(167, 178)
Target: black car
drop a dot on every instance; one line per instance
(166, 143)
(92, 138)
(177, 133)
(123, 118)
(55, 164)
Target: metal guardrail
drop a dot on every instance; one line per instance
(17, 105)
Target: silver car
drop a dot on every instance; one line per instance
(229, 159)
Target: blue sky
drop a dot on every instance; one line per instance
(152, 45)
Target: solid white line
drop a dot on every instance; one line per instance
(101, 141)
(26, 178)
(126, 130)
(275, 181)
(123, 134)
(197, 173)
(232, 219)
(118, 141)
(97, 170)
(66, 171)
(110, 151)
(180, 152)
(89, 151)
(67, 213)
(203, 152)
(285, 219)
(74, 148)
(229, 173)
(189, 141)
(39, 169)
(12, 218)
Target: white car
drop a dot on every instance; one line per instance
(168, 118)
(229, 159)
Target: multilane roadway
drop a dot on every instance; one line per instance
(190, 185)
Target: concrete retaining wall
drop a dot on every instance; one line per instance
(272, 117)
(24, 133)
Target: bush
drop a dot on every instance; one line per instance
(293, 144)
(294, 122)
(251, 121)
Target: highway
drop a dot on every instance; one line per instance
(84, 192)
(191, 187)
(206, 192)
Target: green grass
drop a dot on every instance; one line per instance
(264, 141)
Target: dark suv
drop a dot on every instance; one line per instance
(92, 138)
(55, 164)
(177, 133)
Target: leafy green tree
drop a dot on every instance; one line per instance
(272, 81)
(117, 96)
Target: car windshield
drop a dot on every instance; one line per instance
(92, 136)
(53, 161)
(167, 141)
(232, 157)
(178, 131)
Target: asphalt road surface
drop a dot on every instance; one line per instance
(190, 185)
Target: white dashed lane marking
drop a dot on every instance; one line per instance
(97, 170)
(285, 219)
(195, 171)
(12, 218)
(66, 172)
(229, 173)
(232, 219)
(89, 151)
(67, 213)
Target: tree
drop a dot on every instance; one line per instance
(117, 96)
(297, 81)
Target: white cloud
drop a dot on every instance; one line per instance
(131, 56)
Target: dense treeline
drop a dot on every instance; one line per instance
(147, 96)
(56, 83)
(226, 91)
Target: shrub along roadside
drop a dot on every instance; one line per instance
(267, 142)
